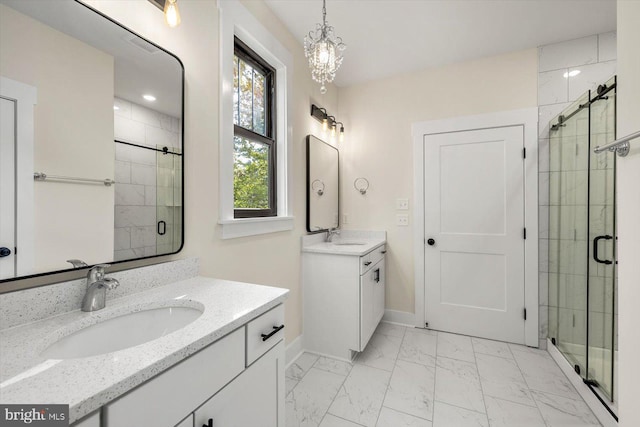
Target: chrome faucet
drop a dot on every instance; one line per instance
(97, 286)
(330, 233)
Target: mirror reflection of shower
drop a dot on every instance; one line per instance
(148, 175)
(582, 236)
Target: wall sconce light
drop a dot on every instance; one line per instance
(328, 122)
(170, 9)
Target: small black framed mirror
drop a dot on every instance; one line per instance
(323, 185)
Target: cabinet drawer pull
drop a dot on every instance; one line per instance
(209, 423)
(276, 329)
(383, 252)
(367, 263)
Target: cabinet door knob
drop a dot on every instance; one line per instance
(431, 242)
(4, 252)
(209, 423)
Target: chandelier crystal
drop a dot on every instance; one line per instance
(324, 51)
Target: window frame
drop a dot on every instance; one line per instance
(249, 56)
(236, 20)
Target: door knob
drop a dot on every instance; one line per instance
(431, 242)
(4, 252)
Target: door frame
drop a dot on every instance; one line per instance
(528, 119)
(26, 98)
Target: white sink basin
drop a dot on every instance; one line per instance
(349, 243)
(122, 332)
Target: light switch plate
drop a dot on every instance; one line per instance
(402, 204)
(402, 220)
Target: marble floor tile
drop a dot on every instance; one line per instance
(390, 418)
(339, 367)
(563, 412)
(483, 383)
(458, 384)
(449, 416)
(411, 389)
(394, 330)
(290, 383)
(492, 348)
(333, 421)
(455, 347)
(361, 395)
(299, 368)
(310, 399)
(542, 374)
(419, 348)
(381, 352)
(503, 413)
(502, 378)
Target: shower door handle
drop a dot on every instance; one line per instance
(595, 249)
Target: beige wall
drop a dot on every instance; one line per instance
(271, 259)
(73, 137)
(378, 145)
(628, 197)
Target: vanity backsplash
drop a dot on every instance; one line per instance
(17, 308)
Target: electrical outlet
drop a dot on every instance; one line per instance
(345, 218)
(402, 204)
(402, 220)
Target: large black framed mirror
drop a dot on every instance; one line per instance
(323, 185)
(92, 141)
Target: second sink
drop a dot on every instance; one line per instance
(122, 332)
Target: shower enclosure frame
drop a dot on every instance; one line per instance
(603, 93)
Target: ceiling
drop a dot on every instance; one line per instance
(388, 37)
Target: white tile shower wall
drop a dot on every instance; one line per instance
(595, 57)
(136, 192)
(35, 304)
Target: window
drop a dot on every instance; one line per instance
(266, 58)
(254, 139)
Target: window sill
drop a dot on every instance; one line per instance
(243, 227)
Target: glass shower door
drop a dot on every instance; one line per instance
(168, 199)
(568, 232)
(602, 236)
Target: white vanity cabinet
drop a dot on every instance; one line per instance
(236, 381)
(343, 298)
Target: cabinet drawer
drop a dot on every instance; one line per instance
(165, 399)
(264, 332)
(92, 420)
(367, 261)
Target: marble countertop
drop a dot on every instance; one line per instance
(86, 384)
(338, 247)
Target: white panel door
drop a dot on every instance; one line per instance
(7, 187)
(474, 223)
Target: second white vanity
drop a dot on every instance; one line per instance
(343, 291)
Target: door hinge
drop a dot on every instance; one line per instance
(524, 233)
(524, 313)
(524, 153)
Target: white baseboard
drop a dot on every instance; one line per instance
(587, 395)
(293, 350)
(399, 317)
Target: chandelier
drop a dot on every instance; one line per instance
(324, 51)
